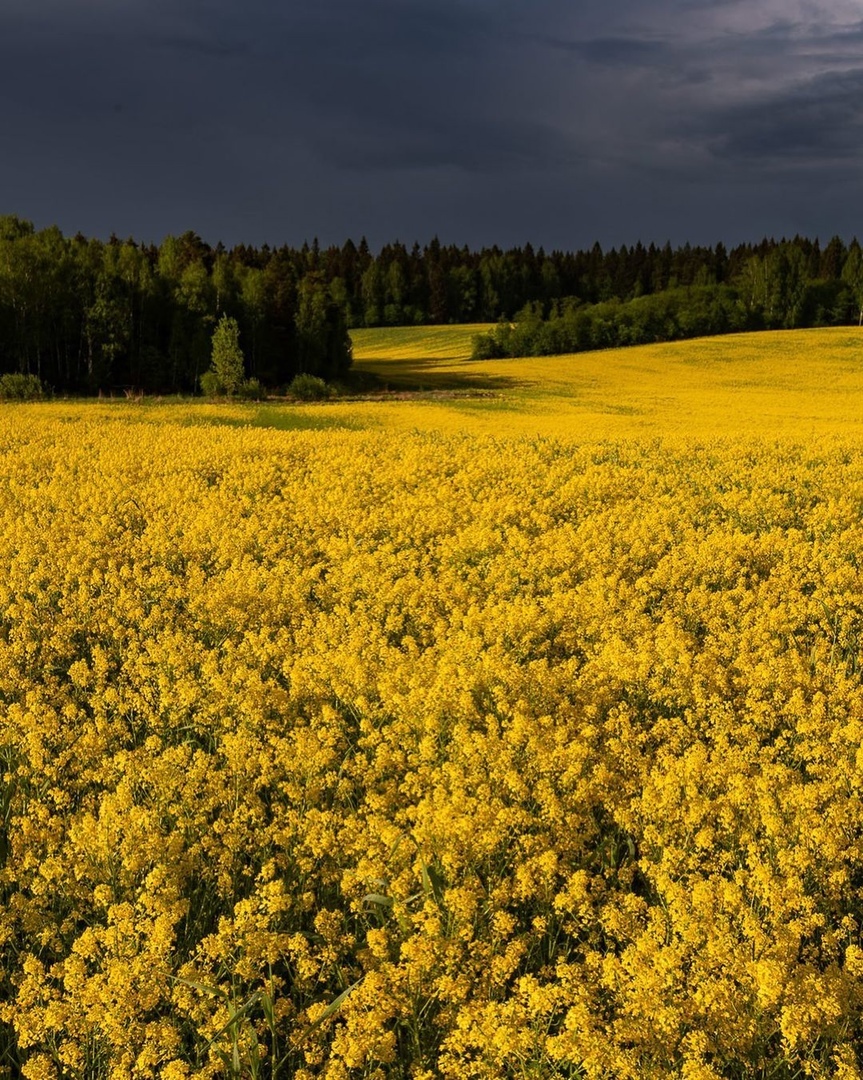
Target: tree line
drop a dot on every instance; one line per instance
(783, 283)
(774, 288)
(84, 315)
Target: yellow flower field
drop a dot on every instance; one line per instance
(389, 750)
(796, 383)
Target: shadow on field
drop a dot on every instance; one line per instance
(414, 374)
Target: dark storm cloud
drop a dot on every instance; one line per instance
(788, 93)
(787, 96)
(470, 144)
(812, 125)
(625, 52)
(192, 46)
(704, 5)
(480, 120)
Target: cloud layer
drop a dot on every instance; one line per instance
(478, 120)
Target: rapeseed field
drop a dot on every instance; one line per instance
(796, 384)
(464, 736)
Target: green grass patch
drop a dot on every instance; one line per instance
(416, 342)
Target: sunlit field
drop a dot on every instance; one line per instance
(794, 383)
(507, 728)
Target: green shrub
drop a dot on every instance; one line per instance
(16, 387)
(486, 347)
(309, 388)
(211, 384)
(251, 390)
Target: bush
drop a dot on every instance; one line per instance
(16, 387)
(486, 347)
(309, 388)
(251, 390)
(248, 390)
(211, 384)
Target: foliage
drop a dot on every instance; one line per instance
(251, 390)
(323, 342)
(211, 384)
(89, 316)
(14, 387)
(248, 390)
(673, 315)
(227, 362)
(365, 754)
(309, 388)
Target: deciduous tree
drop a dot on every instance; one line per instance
(228, 363)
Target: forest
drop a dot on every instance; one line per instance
(86, 316)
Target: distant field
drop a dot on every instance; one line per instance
(796, 382)
(395, 343)
(799, 384)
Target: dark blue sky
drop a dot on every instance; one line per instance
(479, 121)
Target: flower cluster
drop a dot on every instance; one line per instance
(359, 754)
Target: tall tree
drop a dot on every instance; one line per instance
(323, 342)
(227, 363)
(852, 275)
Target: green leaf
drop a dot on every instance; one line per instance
(379, 899)
(329, 1011)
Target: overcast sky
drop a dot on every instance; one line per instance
(561, 122)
